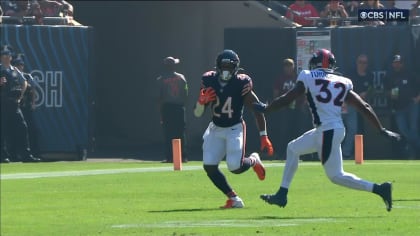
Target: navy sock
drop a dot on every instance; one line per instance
(218, 179)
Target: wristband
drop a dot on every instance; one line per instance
(263, 133)
(199, 109)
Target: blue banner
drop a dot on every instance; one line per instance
(58, 59)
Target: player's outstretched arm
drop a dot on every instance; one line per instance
(282, 100)
(266, 146)
(251, 98)
(367, 111)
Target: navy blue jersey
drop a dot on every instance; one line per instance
(12, 89)
(228, 108)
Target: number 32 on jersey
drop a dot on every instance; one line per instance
(325, 94)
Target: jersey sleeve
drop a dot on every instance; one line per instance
(349, 84)
(303, 77)
(247, 83)
(206, 78)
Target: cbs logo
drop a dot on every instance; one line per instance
(363, 15)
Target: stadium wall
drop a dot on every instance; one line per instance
(60, 60)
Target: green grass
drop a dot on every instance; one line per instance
(186, 203)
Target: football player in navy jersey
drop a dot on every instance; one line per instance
(325, 90)
(227, 91)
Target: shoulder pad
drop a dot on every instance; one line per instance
(209, 73)
(329, 71)
(243, 77)
(304, 72)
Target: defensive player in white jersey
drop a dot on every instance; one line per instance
(326, 90)
(227, 92)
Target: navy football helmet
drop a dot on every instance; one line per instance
(227, 64)
(322, 58)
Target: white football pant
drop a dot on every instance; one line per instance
(220, 142)
(327, 143)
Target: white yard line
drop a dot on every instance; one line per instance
(227, 223)
(406, 207)
(153, 169)
(90, 172)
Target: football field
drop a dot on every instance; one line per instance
(149, 198)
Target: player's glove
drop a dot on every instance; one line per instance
(390, 135)
(266, 145)
(207, 95)
(260, 107)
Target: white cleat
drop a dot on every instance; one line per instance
(234, 202)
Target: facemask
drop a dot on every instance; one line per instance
(226, 75)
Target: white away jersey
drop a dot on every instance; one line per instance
(325, 92)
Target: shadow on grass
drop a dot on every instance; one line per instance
(185, 210)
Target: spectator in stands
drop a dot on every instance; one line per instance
(390, 4)
(66, 8)
(404, 92)
(7, 6)
(318, 5)
(352, 8)
(334, 9)
(18, 8)
(286, 81)
(372, 4)
(362, 83)
(415, 13)
(362, 80)
(50, 8)
(361, 77)
(35, 10)
(301, 9)
(38, 9)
